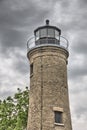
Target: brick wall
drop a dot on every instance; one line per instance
(48, 89)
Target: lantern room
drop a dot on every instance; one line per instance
(47, 34)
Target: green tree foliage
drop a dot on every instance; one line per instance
(14, 111)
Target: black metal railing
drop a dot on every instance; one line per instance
(61, 42)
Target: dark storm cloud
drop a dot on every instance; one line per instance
(80, 43)
(73, 17)
(78, 67)
(20, 64)
(78, 72)
(64, 3)
(12, 38)
(82, 3)
(61, 2)
(81, 111)
(16, 20)
(78, 88)
(79, 98)
(19, 60)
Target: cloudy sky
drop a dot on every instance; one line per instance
(18, 19)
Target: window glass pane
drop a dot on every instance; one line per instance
(43, 32)
(58, 117)
(50, 32)
(56, 34)
(31, 69)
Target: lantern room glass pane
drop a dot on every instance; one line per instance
(43, 32)
(51, 32)
(37, 35)
(56, 34)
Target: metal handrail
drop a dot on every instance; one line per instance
(66, 40)
(62, 43)
(29, 41)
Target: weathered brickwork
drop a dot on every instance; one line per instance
(48, 89)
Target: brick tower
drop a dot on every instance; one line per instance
(48, 99)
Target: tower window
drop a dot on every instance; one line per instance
(58, 117)
(31, 69)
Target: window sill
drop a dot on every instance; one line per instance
(59, 124)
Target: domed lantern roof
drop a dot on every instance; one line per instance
(47, 34)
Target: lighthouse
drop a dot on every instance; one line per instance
(48, 98)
